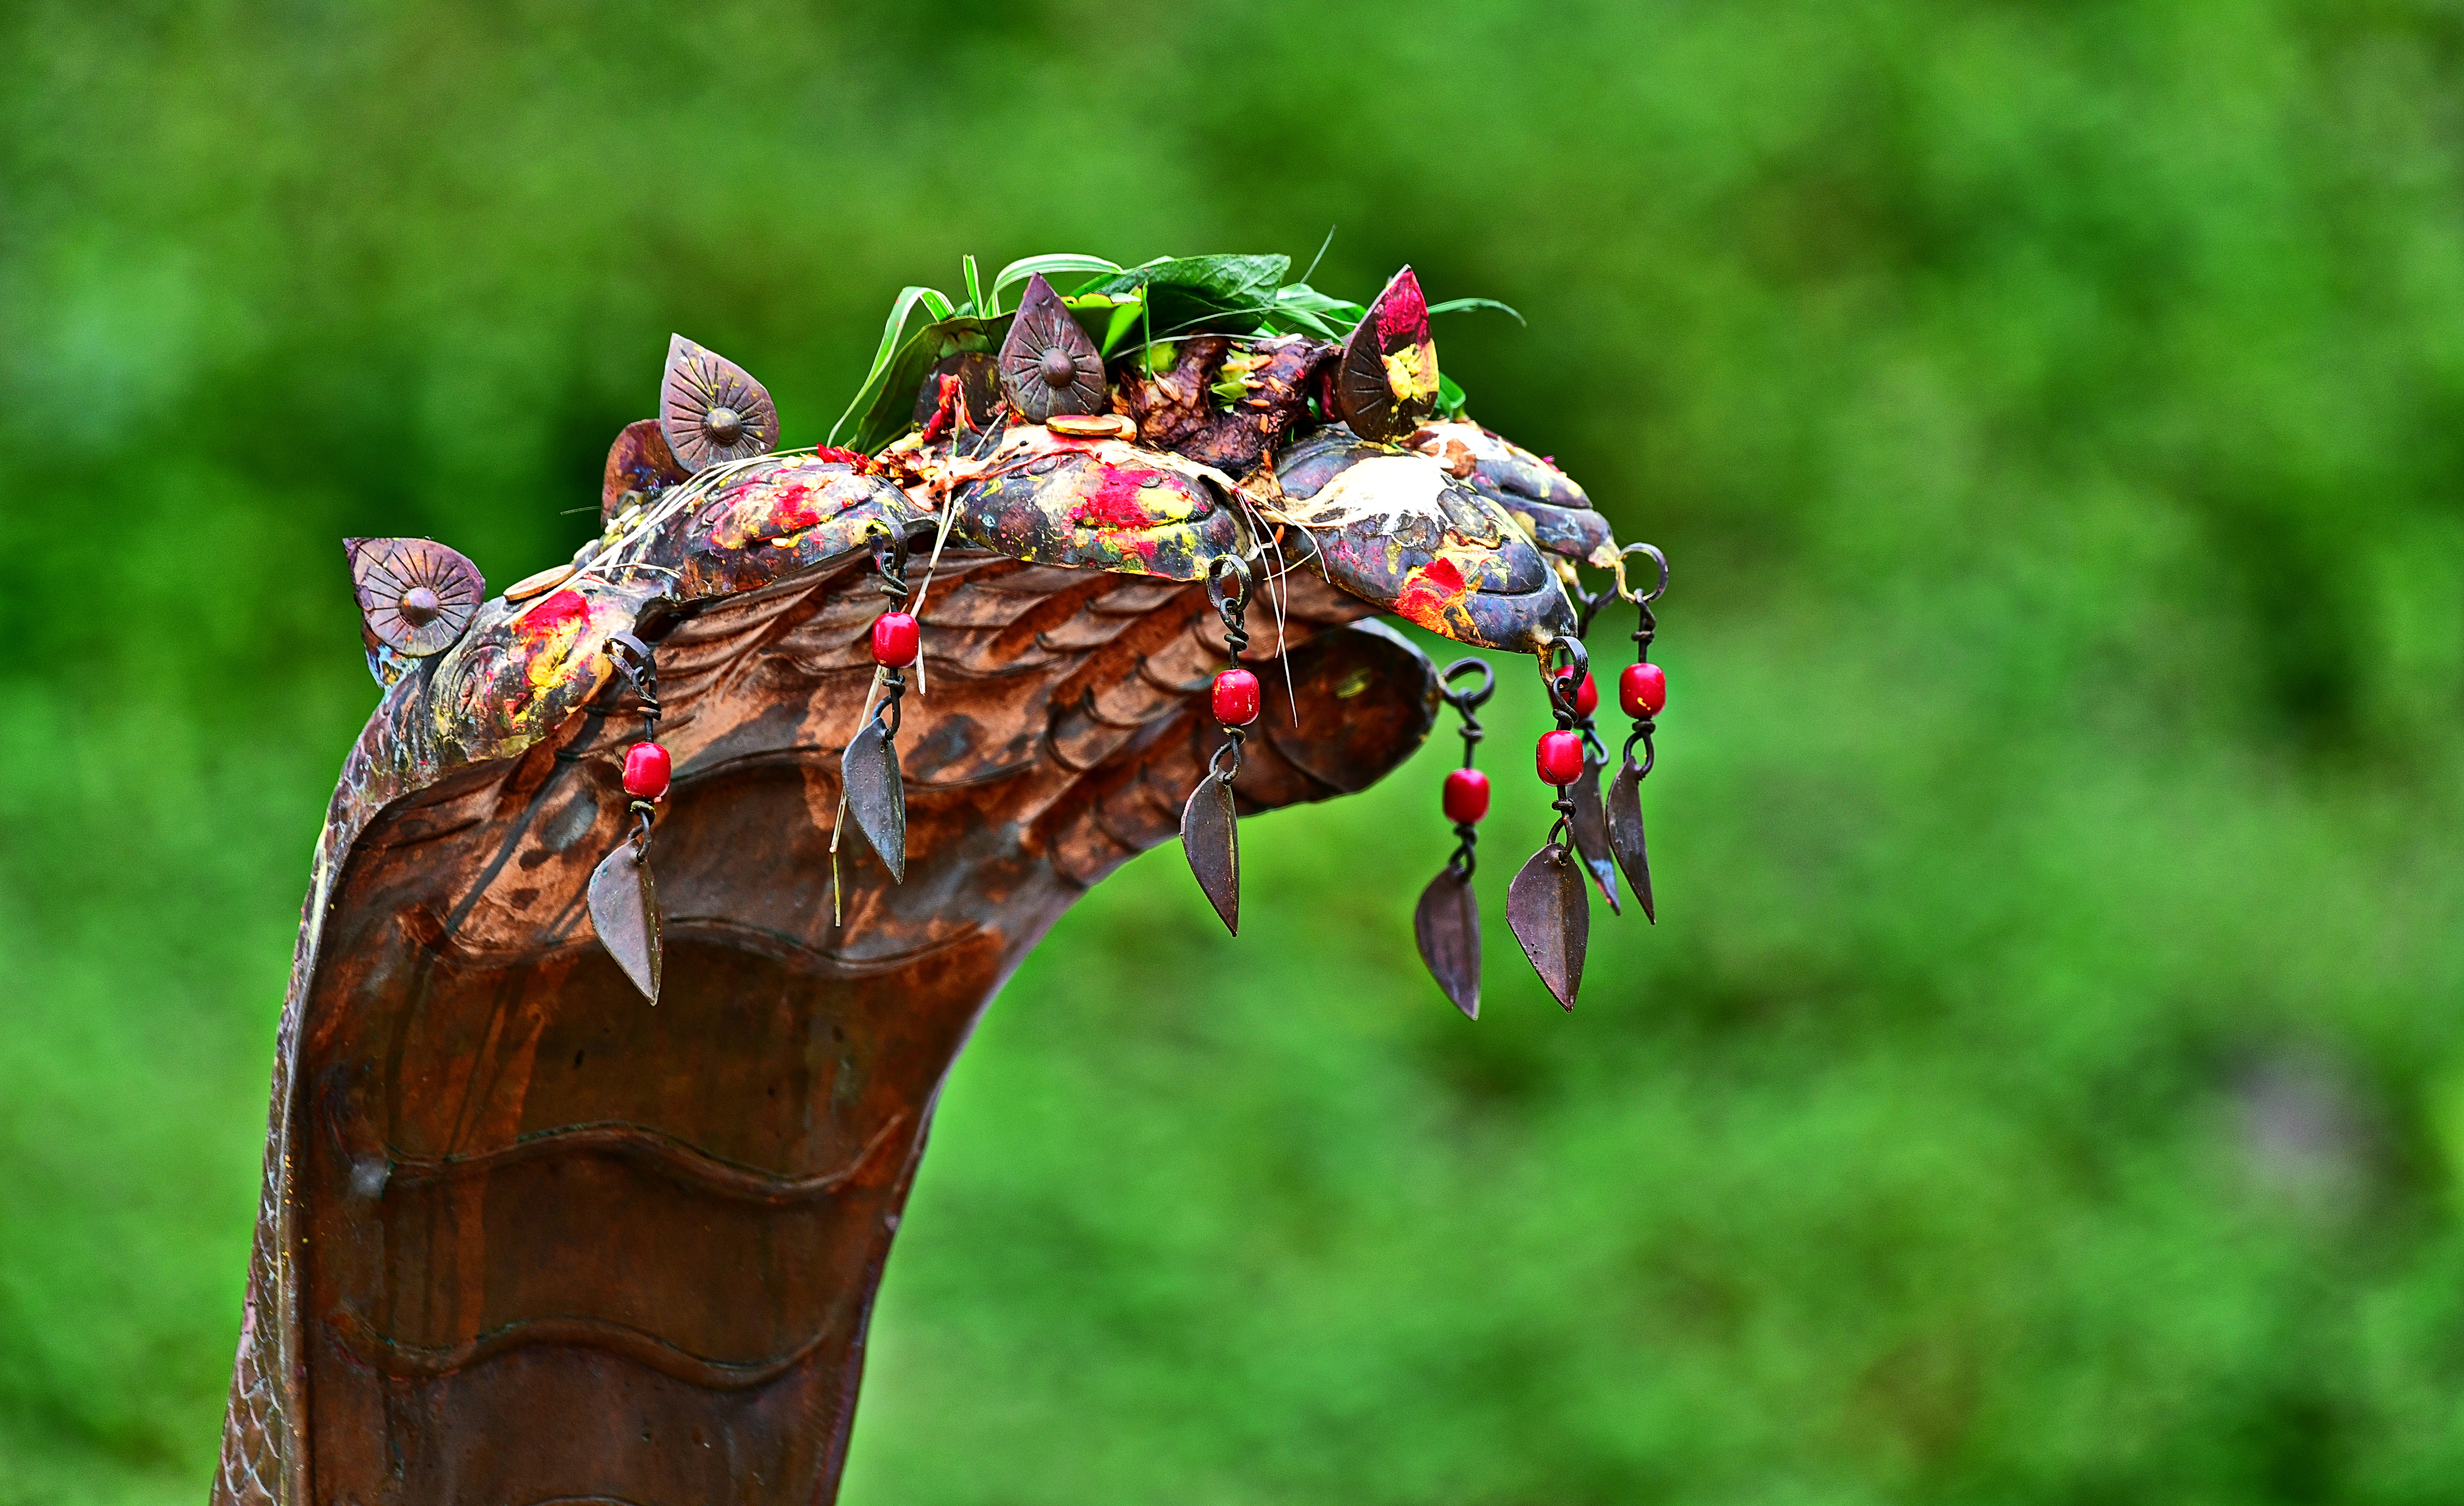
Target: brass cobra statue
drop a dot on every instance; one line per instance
(604, 1074)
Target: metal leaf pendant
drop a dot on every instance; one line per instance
(625, 910)
(712, 411)
(1048, 363)
(1446, 924)
(1551, 916)
(876, 796)
(1211, 836)
(1625, 834)
(1591, 832)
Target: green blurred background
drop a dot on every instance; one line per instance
(2045, 1082)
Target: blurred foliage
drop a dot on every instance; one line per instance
(2045, 1084)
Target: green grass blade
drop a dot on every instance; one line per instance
(1460, 305)
(934, 302)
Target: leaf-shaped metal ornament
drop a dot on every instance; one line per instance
(876, 796)
(1210, 834)
(625, 910)
(416, 596)
(712, 411)
(1590, 833)
(1625, 834)
(639, 465)
(1387, 382)
(1446, 924)
(1048, 363)
(1550, 913)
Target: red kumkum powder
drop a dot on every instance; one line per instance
(1116, 502)
(1431, 589)
(1403, 314)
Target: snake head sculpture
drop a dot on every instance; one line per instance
(527, 1235)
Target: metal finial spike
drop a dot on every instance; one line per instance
(712, 411)
(416, 596)
(1387, 382)
(1048, 363)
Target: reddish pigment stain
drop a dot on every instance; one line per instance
(1404, 313)
(791, 507)
(1116, 502)
(564, 611)
(1428, 592)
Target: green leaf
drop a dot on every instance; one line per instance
(1450, 397)
(1046, 265)
(934, 302)
(1216, 295)
(891, 410)
(1328, 318)
(1459, 305)
(975, 288)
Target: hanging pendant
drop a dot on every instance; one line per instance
(1550, 915)
(625, 911)
(1210, 831)
(876, 795)
(1446, 922)
(1624, 817)
(1210, 834)
(1590, 830)
(1446, 925)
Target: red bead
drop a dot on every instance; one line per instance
(1560, 758)
(646, 771)
(1236, 698)
(1642, 691)
(1467, 797)
(897, 640)
(1587, 695)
